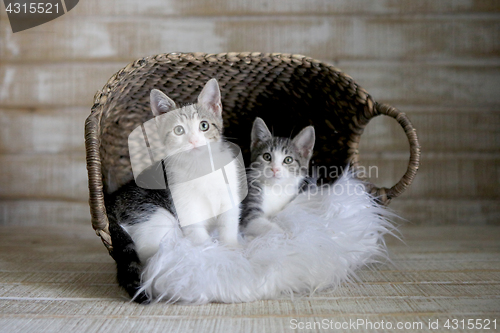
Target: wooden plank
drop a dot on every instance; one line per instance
(416, 211)
(85, 278)
(322, 37)
(432, 264)
(64, 176)
(452, 249)
(64, 236)
(438, 131)
(446, 177)
(52, 85)
(415, 265)
(63, 290)
(44, 213)
(401, 252)
(353, 291)
(44, 176)
(273, 308)
(448, 234)
(85, 248)
(74, 84)
(463, 277)
(48, 254)
(427, 84)
(447, 211)
(365, 277)
(412, 291)
(277, 7)
(60, 130)
(261, 7)
(42, 130)
(58, 267)
(431, 244)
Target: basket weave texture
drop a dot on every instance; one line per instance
(288, 91)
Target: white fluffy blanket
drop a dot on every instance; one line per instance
(331, 231)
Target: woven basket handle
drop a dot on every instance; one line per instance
(384, 194)
(96, 196)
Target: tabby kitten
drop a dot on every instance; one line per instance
(140, 217)
(277, 173)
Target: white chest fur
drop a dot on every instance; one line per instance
(276, 197)
(208, 196)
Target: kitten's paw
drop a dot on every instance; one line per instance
(196, 234)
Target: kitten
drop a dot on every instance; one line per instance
(140, 217)
(277, 173)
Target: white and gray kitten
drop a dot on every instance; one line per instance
(186, 132)
(276, 175)
(140, 217)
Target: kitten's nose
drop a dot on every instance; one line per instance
(195, 142)
(275, 170)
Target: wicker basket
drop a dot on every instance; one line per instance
(287, 91)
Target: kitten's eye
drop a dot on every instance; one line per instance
(178, 130)
(288, 160)
(204, 126)
(266, 157)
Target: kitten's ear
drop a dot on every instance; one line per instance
(210, 97)
(304, 142)
(160, 103)
(260, 133)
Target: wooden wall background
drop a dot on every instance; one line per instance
(439, 61)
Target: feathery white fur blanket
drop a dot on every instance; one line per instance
(331, 231)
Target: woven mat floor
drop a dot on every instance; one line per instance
(62, 280)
